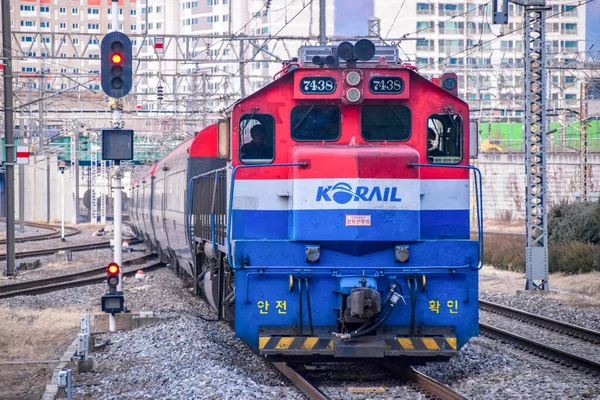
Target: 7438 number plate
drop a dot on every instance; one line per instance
(317, 85)
(386, 85)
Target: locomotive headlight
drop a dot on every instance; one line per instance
(353, 95)
(353, 78)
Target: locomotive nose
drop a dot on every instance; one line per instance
(355, 193)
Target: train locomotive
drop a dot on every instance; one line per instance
(328, 215)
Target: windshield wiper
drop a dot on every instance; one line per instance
(302, 119)
(398, 115)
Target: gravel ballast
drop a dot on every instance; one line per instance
(185, 355)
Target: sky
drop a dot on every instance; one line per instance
(592, 32)
(351, 17)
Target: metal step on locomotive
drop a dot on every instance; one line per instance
(328, 215)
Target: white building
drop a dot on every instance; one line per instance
(207, 87)
(457, 36)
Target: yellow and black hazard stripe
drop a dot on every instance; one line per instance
(422, 344)
(299, 344)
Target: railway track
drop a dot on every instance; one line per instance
(415, 380)
(537, 347)
(55, 232)
(548, 352)
(575, 331)
(95, 275)
(75, 248)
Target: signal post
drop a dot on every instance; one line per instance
(117, 145)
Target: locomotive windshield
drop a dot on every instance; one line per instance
(444, 139)
(315, 123)
(257, 133)
(389, 123)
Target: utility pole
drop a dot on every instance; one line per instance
(9, 137)
(41, 141)
(75, 157)
(22, 183)
(117, 187)
(242, 69)
(322, 23)
(535, 129)
(583, 145)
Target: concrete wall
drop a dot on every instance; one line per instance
(36, 194)
(504, 181)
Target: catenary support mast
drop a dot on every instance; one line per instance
(535, 129)
(9, 138)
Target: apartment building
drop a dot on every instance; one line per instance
(211, 74)
(458, 36)
(56, 49)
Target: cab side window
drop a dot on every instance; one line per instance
(444, 139)
(257, 138)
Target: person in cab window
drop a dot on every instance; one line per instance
(432, 147)
(257, 149)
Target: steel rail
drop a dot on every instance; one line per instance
(66, 278)
(576, 331)
(548, 352)
(44, 236)
(310, 391)
(81, 247)
(76, 283)
(425, 383)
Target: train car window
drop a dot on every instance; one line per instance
(257, 138)
(385, 123)
(315, 123)
(444, 139)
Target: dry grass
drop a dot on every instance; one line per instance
(27, 334)
(578, 290)
(512, 226)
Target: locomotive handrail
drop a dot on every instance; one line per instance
(191, 206)
(478, 181)
(230, 258)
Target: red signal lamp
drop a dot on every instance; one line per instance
(116, 58)
(112, 269)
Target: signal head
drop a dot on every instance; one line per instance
(364, 50)
(116, 61)
(346, 51)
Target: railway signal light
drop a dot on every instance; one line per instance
(113, 302)
(112, 272)
(116, 64)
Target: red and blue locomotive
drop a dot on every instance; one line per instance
(328, 216)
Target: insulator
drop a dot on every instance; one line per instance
(534, 128)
